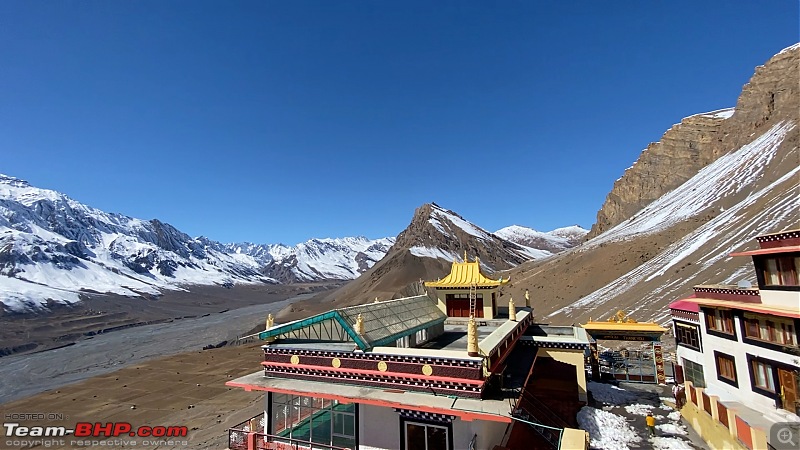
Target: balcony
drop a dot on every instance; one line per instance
(242, 437)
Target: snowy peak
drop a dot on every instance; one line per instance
(437, 232)
(53, 248)
(554, 241)
(326, 259)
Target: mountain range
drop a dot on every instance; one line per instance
(54, 248)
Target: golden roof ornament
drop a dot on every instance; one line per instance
(359, 325)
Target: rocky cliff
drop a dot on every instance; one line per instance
(771, 95)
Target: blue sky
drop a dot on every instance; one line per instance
(275, 121)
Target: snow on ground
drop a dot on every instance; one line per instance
(669, 443)
(622, 416)
(641, 410)
(671, 428)
(610, 394)
(607, 430)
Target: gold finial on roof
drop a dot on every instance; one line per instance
(359, 325)
(465, 256)
(512, 310)
(376, 300)
(270, 321)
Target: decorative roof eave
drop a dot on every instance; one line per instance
(621, 321)
(465, 275)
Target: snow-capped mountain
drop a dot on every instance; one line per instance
(326, 259)
(434, 239)
(554, 241)
(53, 248)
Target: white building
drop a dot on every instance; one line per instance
(737, 350)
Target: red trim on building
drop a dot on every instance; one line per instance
(765, 250)
(464, 415)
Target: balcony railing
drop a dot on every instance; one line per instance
(241, 437)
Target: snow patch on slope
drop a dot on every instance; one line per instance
(725, 176)
(440, 218)
(720, 178)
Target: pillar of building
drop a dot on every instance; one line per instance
(472, 337)
(594, 361)
(658, 356)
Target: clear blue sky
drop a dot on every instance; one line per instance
(273, 121)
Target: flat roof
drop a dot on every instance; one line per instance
(549, 334)
(685, 305)
(466, 408)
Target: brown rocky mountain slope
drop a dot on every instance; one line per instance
(771, 95)
(649, 255)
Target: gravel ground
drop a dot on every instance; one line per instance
(29, 374)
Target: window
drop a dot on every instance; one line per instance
(313, 420)
(726, 368)
(720, 320)
(687, 335)
(781, 271)
(422, 436)
(694, 373)
(762, 375)
(773, 329)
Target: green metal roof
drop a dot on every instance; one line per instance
(384, 322)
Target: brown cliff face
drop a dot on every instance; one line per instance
(770, 96)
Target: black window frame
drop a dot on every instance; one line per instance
(443, 424)
(760, 262)
(735, 381)
(775, 377)
(733, 335)
(685, 327)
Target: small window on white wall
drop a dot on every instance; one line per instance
(422, 436)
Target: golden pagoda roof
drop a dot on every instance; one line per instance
(622, 322)
(466, 274)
